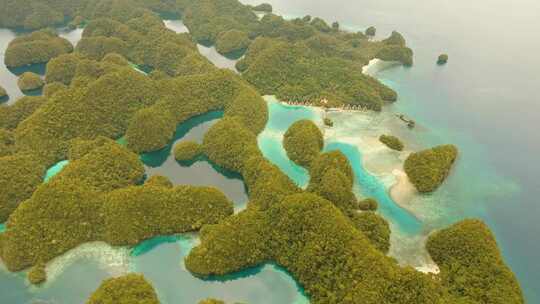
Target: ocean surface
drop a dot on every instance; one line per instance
(483, 101)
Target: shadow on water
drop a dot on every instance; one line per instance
(267, 283)
(200, 171)
(157, 158)
(39, 69)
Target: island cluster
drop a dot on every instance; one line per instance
(332, 243)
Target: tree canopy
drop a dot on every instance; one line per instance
(428, 169)
(36, 47)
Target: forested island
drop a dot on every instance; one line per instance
(334, 244)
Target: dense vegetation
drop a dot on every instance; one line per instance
(392, 142)
(20, 174)
(129, 289)
(303, 141)
(150, 129)
(187, 150)
(29, 81)
(368, 204)
(36, 47)
(263, 7)
(313, 69)
(428, 169)
(52, 88)
(371, 31)
(319, 245)
(37, 274)
(232, 43)
(471, 264)
(91, 194)
(332, 244)
(442, 59)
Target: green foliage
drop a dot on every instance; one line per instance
(97, 47)
(263, 7)
(187, 150)
(150, 129)
(471, 264)
(229, 144)
(37, 274)
(320, 24)
(129, 289)
(12, 115)
(233, 42)
(368, 204)
(319, 246)
(36, 47)
(371, 31)
(310, 72)
(443, 59)
(96, 107)
(20, 174)
(303, 142)
(375, 228)
(52, 88)
(30, 81)
(391, 142)
(396, 53)
(328, 122)
(158, 181)
(158, 210)
(37, 232)
(7, 142)
(62, 68)
(206, 19)
(114, 58)
(428, 169)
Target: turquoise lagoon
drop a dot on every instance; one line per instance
(484, 100)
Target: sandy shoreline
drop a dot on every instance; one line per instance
(403, 191)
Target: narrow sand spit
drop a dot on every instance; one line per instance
(403, 191)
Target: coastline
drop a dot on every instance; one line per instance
(113, 260)
(403, 191)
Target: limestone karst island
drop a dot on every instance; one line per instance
(225, 151)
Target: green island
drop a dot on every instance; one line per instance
(303, 142)
(187, 150)
(128, 289)
(232, 43)
(428, 169)
(334, 245)
(391, 142)
(442, 59)
(471, 264)
(371, 31)
(36, 47)
(29, 81)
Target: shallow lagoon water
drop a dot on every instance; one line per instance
(484, 100)
(55, 169)
(161, 261)
(281, 117)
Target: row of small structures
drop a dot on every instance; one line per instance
(410, 123)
